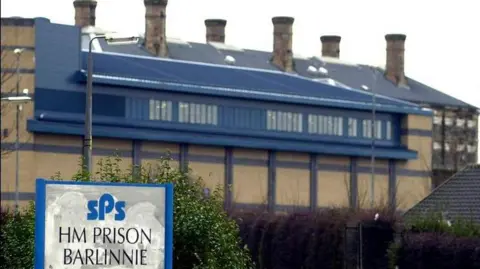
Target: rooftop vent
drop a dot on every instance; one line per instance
(331, 82)
(322, 70)
(365, 87)
(312, 70)
(230, 60)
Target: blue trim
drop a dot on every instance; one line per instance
(18, 22)
(23, 196)
(206, 159)
(40, 208)
(183, 157)
(272, 180)
(353, 183)
(417, 132)
(136, 150)
(313, 181)
(21, 70)
(247, 94)
(5, 47)
(57, 117)
(392, 184)
(228, 180)
(219, 140)
(169, 211)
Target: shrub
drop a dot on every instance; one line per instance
(204, 236)
(433, 250)
(17, 239)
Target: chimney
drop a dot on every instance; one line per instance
(331, 46)
(282, 43)
(215, 30)
(395, 66)
(84, 12)
(155, 30)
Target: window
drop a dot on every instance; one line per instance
(284, 121)
(460, 122)
(471, 148)
(446, 146)
(437, 120)
(448, 121)
(325, 125)
(352, 127)
(437, 146)
(471, 123)
(368, 129)
(197, 113)
(160, 110)
(460, 147)
(388, 130)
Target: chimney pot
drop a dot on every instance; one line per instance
(395, 65)
(331, 45)
(282, 43)
(84, 12)
(155, 27)
(215, 30)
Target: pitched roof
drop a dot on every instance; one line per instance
(459, 196)
(352, 75)
(214, 79)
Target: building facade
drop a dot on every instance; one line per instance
(455, 132)
(275, 138)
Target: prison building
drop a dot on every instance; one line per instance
(276, 138)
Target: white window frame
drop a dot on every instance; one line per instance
(352, 127)
(195, 113)
(285, 121)
(160, 110)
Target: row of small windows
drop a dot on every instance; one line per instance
(196, 113)
(284, 121)
(325, 125)
(459, 148)
(437, 120)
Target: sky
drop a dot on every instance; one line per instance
(443, 36)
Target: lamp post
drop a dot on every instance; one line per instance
(17, 100)
(87, 139)
(374, 136)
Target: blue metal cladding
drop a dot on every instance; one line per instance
(244, 118)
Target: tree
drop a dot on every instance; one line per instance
(7, 88)
(204, 236)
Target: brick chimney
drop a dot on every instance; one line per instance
(331, 46)
(155, 30)
(84, 12)
(395, 66)
(282, 43)
(215, 30)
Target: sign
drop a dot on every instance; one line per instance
(103, 225)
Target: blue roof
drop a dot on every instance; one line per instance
(175, 75)
(352, 75)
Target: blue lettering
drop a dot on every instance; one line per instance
(120, 208)
(92, 210)
(105, 205)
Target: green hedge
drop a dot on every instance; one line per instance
(204, 236)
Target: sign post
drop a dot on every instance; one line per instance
(103, 225)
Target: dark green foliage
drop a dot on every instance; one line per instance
(204, 236)
(17, 239)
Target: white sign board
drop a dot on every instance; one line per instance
(103, 225)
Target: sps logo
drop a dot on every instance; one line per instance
(97, 209)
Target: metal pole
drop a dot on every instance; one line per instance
(87, 138)
(374, 133)
(17, 139)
